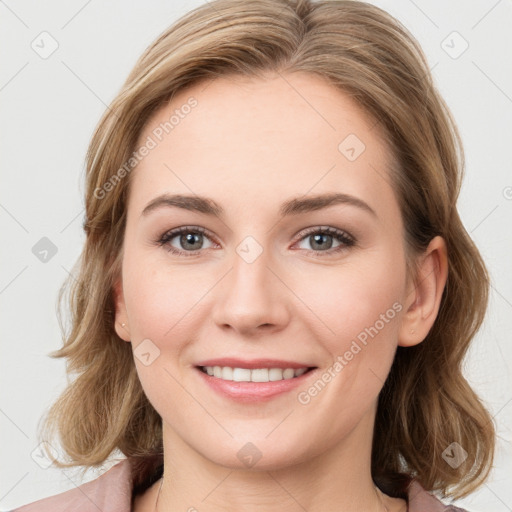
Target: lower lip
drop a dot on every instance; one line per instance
(252, 391)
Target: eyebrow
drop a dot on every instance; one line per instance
(293, 206)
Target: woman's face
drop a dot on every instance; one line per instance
(291, 257)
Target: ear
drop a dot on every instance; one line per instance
(121, 318)
(424, 294)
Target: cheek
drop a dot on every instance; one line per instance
(160, 300)
(361, 303)
(160, 306)
(362, 310)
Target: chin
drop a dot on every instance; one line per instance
(260, 454)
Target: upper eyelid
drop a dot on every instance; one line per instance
(171, 233)
(321, 229)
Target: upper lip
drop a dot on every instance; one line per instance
(234, 362)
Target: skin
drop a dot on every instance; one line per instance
(251, 144)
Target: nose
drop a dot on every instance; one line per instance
(252, 298)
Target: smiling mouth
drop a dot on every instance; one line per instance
(254, 374)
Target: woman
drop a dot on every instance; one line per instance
(276, 291)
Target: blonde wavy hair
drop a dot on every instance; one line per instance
(426, 403)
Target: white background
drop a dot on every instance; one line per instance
(49, 110)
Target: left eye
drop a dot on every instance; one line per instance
(322, 239)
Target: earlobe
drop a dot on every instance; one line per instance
(424, 298)
(121, 319)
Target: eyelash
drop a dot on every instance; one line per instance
(343, 237)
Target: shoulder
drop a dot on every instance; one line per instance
(422, 501)
(110, 492)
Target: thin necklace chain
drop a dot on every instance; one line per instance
(162, 481)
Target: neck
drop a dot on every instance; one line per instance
(337, 479)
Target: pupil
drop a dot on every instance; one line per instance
(189, 238)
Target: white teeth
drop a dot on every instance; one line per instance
(227, 373)
(288, 373)
(275, 374)
(259, 375)
(241, 375)
(254, 375)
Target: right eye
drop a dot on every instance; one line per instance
(190, 238)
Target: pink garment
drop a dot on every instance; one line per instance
(112, 492)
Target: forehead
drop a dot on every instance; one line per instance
(242, 140)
